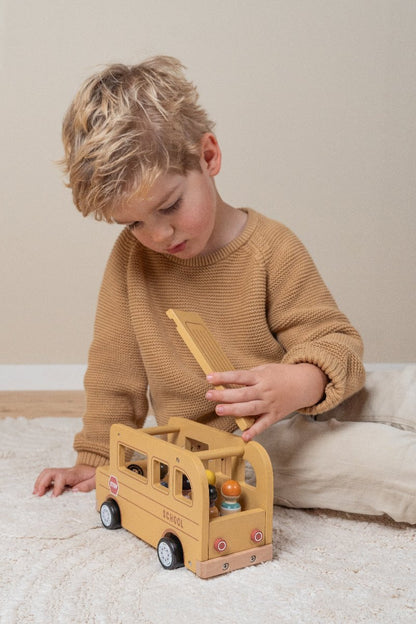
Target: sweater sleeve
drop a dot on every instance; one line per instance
(115, 381)
(310, 327)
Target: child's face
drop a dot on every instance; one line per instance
(179, 215)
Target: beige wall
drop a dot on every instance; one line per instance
(315, 108)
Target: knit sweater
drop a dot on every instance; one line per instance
(262, 298)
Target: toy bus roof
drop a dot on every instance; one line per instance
(219, 443)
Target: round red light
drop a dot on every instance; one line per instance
(256, 536)
(220, 544)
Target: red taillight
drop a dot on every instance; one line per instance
(256, 536)
(220, 544)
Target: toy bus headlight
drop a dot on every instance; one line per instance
(220, 544)
(256, 536)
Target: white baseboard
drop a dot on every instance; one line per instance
(42, 376)
(376, 366)
(70, 376)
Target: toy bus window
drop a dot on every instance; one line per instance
(182, 487)
(161, 475)
(133, 460)
(250, 475)
(195, 445)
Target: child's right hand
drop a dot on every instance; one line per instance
(81, 478)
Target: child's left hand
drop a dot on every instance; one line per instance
(268, 392)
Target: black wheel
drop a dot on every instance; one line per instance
(110, 514)
(136, 468)
(169, 552)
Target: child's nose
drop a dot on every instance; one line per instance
(162, 233)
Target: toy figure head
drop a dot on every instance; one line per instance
(231, 489)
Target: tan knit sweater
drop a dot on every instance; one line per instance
(261, 296)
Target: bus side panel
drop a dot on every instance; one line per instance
(149, 514)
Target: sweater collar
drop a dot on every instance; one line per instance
(223, 252)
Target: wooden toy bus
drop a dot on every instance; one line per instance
(202, 497)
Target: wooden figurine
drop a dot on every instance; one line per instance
(212, 493)
(231, 492)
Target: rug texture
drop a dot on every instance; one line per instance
(59, 565)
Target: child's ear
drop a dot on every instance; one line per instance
(210, 154)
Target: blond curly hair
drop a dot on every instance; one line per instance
(126, 126)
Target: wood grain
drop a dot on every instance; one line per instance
(34, 404)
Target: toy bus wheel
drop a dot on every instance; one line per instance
(110, 514)
(169, 552)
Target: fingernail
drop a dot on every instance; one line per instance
(209, 377)
(219, 409)
(208, 395)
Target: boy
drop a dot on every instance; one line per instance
(140, 151)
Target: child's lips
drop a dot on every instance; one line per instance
(176, 248)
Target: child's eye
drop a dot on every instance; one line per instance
(135, 225)
(171, 208)
(164, 211)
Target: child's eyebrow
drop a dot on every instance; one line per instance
(160, 203)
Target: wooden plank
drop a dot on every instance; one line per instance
(205, 349)
(37, 403)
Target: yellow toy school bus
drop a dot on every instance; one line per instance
(162, 482)
(157, 487)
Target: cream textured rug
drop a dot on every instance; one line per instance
(58, 565)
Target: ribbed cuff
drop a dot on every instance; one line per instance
(91, 459)
(335, 370)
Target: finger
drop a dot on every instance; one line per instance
(240, 410)
(79, 479)
(59, 484)
(238, 377)
(43, 482)
(85, 486)
(262, 423)
(39, 481)
(232, 395)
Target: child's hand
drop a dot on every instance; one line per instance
(81, 478)
(269, 393)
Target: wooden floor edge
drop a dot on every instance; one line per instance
(42, 403)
